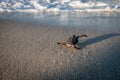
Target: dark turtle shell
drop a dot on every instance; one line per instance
(73, 40)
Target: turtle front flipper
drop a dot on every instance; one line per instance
(82, 36)
(61, 43)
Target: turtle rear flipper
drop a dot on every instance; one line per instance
(79, 48)
(68, 46)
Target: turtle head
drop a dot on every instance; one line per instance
(74, 35)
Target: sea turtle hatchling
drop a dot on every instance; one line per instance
(72, 41)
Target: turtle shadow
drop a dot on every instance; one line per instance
(96, 39)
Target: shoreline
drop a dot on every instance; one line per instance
(87, 10)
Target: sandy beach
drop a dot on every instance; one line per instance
(30, 52)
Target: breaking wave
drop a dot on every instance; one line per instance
(59, 5)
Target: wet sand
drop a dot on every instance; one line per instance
(30, 52)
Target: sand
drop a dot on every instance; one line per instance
(30, 52)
